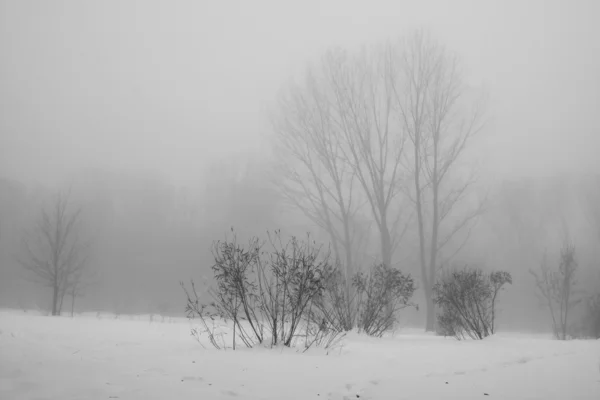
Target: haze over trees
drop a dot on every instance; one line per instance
(381, 131)
(383, 152)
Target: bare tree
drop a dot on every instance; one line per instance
(80, 281)
(373, 141)
(341, 128)
(431, 97)
(317, 180)
(557, 287)
(54, 253)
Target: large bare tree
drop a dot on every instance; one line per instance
(316, 178)
(373, 141)
(440, 120)
(340, 127)
(54, 253)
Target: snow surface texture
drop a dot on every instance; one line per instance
(137, 357)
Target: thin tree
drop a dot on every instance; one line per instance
(430, 95)
(557, 287)
(79, 283)
(316, 178)
(53, 252)
(373, 141)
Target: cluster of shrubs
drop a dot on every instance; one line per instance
(467, 299)
(295, 292)
(292, 293)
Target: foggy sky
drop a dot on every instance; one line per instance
(168, 85)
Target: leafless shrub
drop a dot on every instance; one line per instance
(265, 294)
(381, 294)
(294, 292)
(318, 332)
(449, 323)
(337, 302)
(236, 297)
(467, 299)
(195, 309)
(372, 304)
(291, 278)
(557, 288)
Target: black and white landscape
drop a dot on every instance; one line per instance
(285, 199)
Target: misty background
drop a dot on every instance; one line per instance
(156, 115)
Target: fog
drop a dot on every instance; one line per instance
(156, 115)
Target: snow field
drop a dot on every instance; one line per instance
(138, 357)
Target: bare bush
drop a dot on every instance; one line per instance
(292, 278)
(467, 299)
(195, 309)
(337, 303)
(319, 332)
(265, 294)
(293, 292)
(381, 294)
(557, 287)
(236, 296)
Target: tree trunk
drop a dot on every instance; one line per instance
(424, 276)
(349, 272)
(61, 297)
(430, 324)
(72, 304)
(435, 228)
(430, 321)
(54, 299)
(386, 244)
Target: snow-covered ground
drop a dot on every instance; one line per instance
(91, 357)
